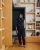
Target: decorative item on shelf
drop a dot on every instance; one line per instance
(29, 26)
(32, 11)
(28, 34)
(33, 34)
(37, 33)
(38, 11)
(38, 24)
(37, 19)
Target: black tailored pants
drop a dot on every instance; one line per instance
(21, 36)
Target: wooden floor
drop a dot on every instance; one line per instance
(28, 46)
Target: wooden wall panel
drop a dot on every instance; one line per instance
(0, 41)
(8, 22)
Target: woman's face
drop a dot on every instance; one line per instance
(21, 16)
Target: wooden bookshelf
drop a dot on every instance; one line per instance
(31, 22)
(37, 22)
(37, 38)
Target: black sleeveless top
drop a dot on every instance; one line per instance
(20, 23)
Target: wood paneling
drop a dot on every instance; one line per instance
(0, 41)
(8, 22)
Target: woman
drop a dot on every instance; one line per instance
(21, 31)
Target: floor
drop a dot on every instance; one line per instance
(28, 46)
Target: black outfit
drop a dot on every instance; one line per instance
(21, 31)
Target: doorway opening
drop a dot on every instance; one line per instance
(15, 13)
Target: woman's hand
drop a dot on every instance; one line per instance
(16, 30)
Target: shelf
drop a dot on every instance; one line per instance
(38, 15)
(37, 7)
(37, 21)
(30, 29)
(37, 26)
(29, 12)
(34, 36)
(30, 22)
(1, 29)
(25, 3)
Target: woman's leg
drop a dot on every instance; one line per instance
(19, 38)
(23, 39)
